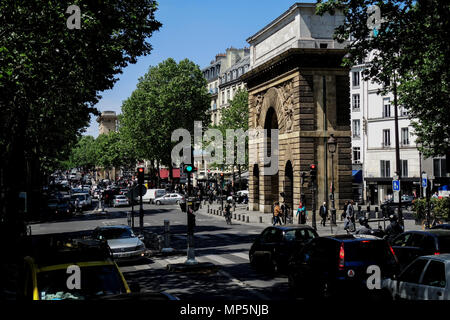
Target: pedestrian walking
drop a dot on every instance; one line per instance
(276, 214)
(350, 218)
(283, 213)
(344, 211)
(323, 212)
(301, 213)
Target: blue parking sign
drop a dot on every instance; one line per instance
(396, 185)
(424, 182)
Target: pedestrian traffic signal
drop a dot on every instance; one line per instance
(187, 168)
(140, 175)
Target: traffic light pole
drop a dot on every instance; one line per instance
(190, 226)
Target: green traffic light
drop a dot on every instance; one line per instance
(189, 168)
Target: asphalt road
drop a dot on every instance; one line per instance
(225, 246)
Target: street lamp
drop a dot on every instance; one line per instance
(332, 143)
(419, 146)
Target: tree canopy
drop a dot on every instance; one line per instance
(169, 96)
(411, 40)
(51, 77)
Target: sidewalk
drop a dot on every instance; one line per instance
(244, 216)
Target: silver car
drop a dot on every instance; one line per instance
(120, 200)
(124, 244)
(170, 198)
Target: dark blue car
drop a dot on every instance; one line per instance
(338, 266)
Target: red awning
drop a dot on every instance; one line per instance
(164, 173)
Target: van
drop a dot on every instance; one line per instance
(152, 194)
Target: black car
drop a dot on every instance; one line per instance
(273, 247)
(338, 266)
(445, 226)
(412, 244)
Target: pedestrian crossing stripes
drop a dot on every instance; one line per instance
(241, 255)
(220, 259)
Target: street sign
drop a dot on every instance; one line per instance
(396, 185)
(424, 180)
(139, 190)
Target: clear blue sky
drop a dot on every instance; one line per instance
(197, 30)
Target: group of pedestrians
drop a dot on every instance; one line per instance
(281, 214)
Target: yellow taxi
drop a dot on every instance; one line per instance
(72, 271)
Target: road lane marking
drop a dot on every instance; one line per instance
(219, 259)
(243, 284)
(240, 255)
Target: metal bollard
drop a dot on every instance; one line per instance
(129, 218)
(167, 247)
(248, 219)
(235, 216)
(260, 220)
(239, 217)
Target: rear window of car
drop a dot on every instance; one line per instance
(444, 244)
(368, 251)
(299, 235)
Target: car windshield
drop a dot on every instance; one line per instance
(116, 233)
(95, 281)
(444, 244)
(368, 251)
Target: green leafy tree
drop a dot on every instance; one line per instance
(408, 39)
(169, 96)
(234, 117)
(50, 77)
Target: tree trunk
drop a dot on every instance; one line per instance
(158, 174)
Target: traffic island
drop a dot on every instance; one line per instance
(201, 267)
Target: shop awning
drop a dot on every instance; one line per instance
(357, 176)
(164, 173)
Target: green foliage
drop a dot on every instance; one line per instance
(169, 96)
(441, 208)
(412, 41)
(50, 75)
(234, 117)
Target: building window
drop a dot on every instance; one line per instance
(385, 168)
(355, 79)
(386, 107)
(223, 97)
(404, 168)
(403, 112)
(240, 72)
(439, 168)
(386, 138)
(234, 74)
(356, 129)
(245, 68)
(228, 95)
(357, 155)
(405, 136)
(355, 102)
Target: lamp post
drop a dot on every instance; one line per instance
(332, 143)
(419, 146)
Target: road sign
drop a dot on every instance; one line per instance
(396, 185)
(424, 180)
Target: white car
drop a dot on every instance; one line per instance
(120, 200)
(170, 198)
(426, 278)
(84, 199)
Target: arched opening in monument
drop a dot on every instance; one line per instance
(288, 187)
(255, 199)
(271, 183)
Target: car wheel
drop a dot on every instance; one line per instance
(158, 203)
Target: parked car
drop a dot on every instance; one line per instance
(412, 244)
(124, 244)
(336, 266)
(273, 247)
(44, 274)
(170, 198)
(426, 278)
(120, 200)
